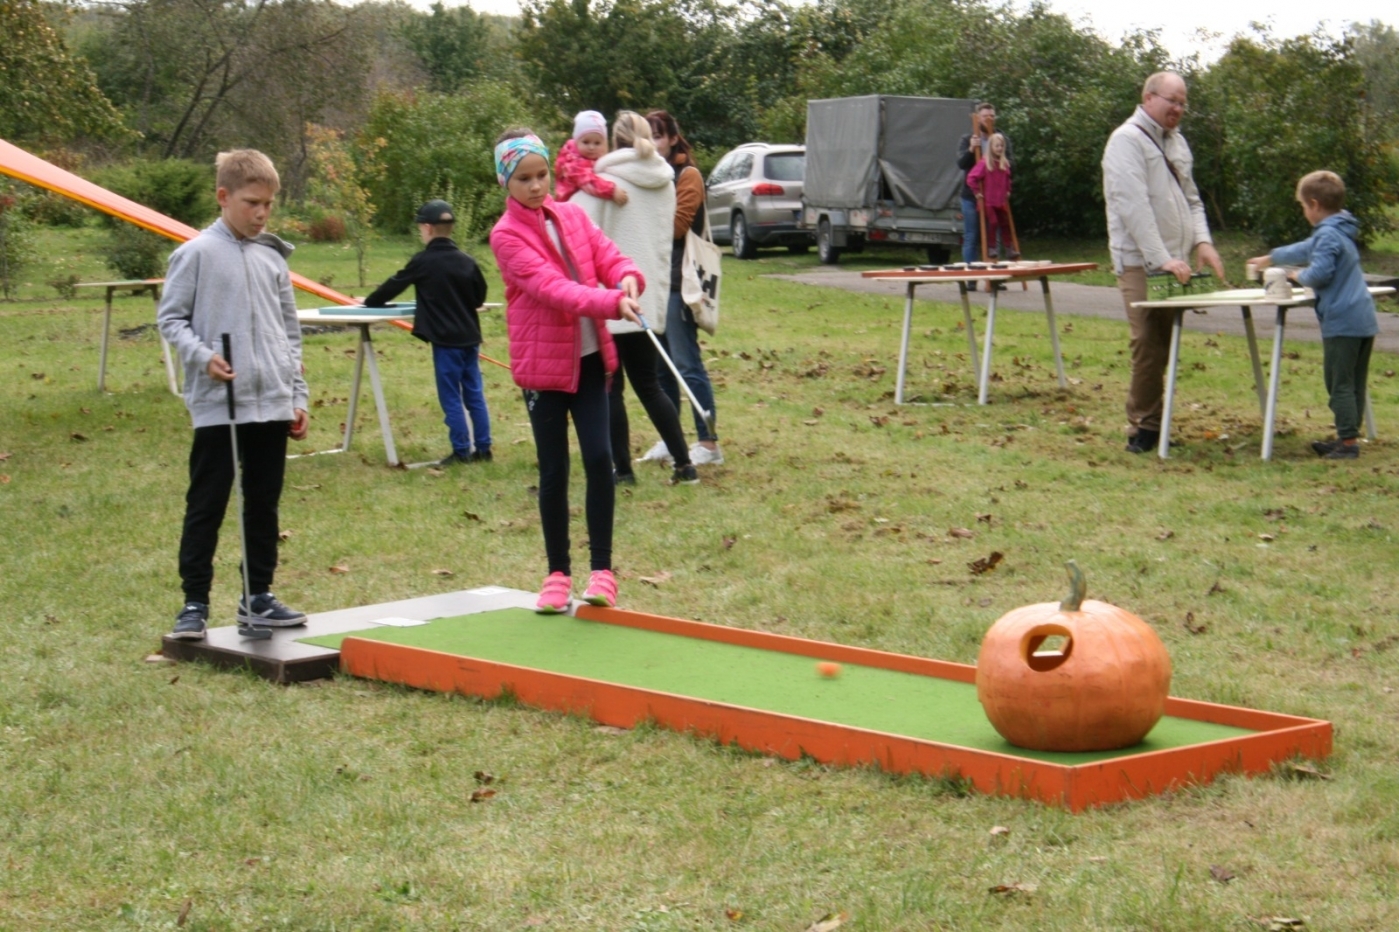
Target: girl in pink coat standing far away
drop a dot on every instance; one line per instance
(990, 179)
(562, 277)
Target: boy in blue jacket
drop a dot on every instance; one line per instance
(1343, 303)
(232, 278)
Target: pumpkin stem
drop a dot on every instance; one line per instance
(1078, 588)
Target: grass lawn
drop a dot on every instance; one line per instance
(141, 795)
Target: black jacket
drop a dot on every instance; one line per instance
(966, 161)
(449, 289)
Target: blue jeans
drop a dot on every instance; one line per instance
(461, 394)
(681, 339)
(971, 231)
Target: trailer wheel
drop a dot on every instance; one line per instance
(826, 251)
(939, 255)
(743, 245)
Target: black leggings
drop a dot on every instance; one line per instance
(262, 451)
(639, 362)
(548, 415)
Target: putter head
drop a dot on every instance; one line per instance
(254, 632)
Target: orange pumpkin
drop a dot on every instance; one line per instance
(1104, 687)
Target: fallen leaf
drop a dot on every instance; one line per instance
(1165, 535)
(1308, 771)
(78, 437)
(158, 658)
(1010, 889)
(435, 472)
(1222, 874)
(980, 566)
(471, 516)
(307, 488)
(284, 535)
(986, 518)
(481, 795)
(1216, 588)
(998, 830)
(5, 456)
(4, 479)
(732, 913)
(1279, 923)
(729, 542)
(184, 913)
(828, 923)
(1266, 538)
(339, 568)
(483, 778)
(443, 573)
(1191, 626)
(609, 730)
(961, 532)
(656, 580)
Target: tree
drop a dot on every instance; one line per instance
(452, 44)
(336, 185)
(47, 95)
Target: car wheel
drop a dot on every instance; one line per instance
(826, 250)
(743, 245)
(939, 255)
(799, 249)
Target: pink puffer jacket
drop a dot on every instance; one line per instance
(543, 303)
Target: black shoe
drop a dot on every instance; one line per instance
(191, 622)
(685, 475)
(1145, 441)
(482, 455)
(1323, 447)
(269, 612)
(1343, 451)
(624, 478)
(453, 458)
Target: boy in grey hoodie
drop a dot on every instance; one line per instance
(1343, 304)
(232, 278)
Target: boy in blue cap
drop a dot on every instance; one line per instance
(449, 287)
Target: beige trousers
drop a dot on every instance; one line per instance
(1151, 351)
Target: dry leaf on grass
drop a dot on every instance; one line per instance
(78, 437)
(1165, 535)
(1191, 626)
(184, 913)
(284, 535)
(4, 479)
(980, 566)
(960, 532)
(5, 456)
(1266, 538)
(999, 830)
(1215, 589)
(1010, 889)
(609, 730)
(435, 472)
(828, 923)
(158, 658)
(1221, 874)
(339, 568)
(1307, 771)
(483, 778)
(733, 913)
(478, 796)
(441, 572)
(1279, 923)
(655, 580)
(729, 542)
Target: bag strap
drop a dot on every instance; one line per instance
(1169, 165)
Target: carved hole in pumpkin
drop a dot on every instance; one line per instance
(1046, 647)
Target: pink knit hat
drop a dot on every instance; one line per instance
(589, 121)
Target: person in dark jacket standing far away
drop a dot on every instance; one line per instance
(449, 288)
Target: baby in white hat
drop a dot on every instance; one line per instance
(573, 169)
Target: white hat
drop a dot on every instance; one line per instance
(589, 121)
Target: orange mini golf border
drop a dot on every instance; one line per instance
(1276, 738)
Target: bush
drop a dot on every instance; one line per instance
(136, 253)
(421, 146)
(176, 187)
(326, 229)
(16, 243)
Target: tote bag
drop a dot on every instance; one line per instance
(700, 271)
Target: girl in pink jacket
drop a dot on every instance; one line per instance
(562, 276)
(990, 179)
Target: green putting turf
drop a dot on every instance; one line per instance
(359, 310)
(862, 697)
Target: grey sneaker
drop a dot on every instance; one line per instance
(701, 455)
(191, 622)
(269, 612)
(657, 454)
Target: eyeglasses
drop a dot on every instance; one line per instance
(1172, 101)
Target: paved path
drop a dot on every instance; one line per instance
(1097, 301)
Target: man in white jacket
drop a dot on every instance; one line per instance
(1155, 220)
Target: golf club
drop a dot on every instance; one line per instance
(708, 418)
(245, 629)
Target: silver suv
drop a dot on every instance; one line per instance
(754, 198)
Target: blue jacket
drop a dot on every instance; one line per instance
(1332, 260)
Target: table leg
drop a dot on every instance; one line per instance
(1053, 331)
(354, 391)
(378, 387)
(1370, 417)
(903, 346)
(106, 335)
(984, 380)
(1257, 364)
(1271, 410)
(971, 334)
(1163, 448)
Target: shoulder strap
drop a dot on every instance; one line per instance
(1169, 166)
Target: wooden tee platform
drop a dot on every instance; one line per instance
(1253, 740)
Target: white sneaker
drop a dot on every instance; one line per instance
(701, 455)
(657, 454)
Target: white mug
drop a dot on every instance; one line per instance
(1275, 283)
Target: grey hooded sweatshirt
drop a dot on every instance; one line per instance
(217, 284)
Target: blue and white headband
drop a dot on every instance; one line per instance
(509, 153)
